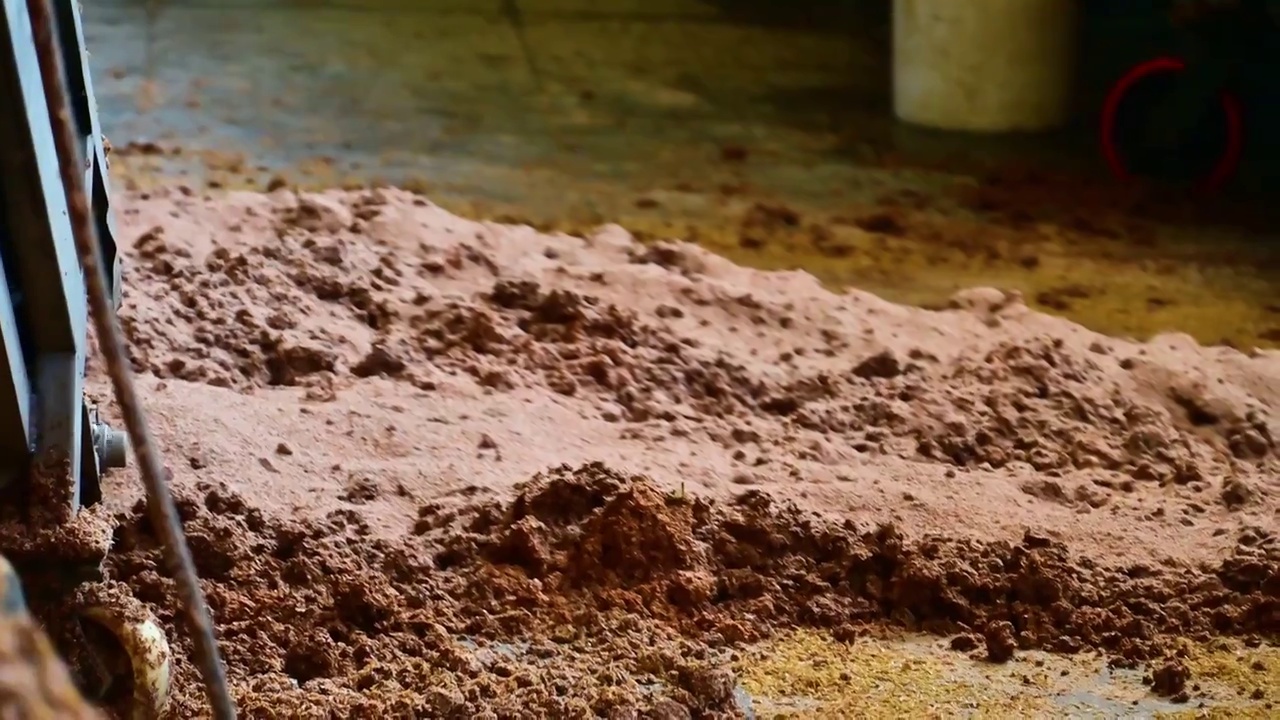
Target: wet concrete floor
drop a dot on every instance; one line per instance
(666, 116)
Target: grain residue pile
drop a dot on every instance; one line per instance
(438, 468)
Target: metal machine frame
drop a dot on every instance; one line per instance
(44, 321)
(54, 448)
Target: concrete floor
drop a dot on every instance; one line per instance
(645, 93)
(634, 114)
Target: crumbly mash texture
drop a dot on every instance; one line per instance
(432, 467)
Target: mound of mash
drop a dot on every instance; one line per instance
(432, 467)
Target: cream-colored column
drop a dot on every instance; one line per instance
(984, 65)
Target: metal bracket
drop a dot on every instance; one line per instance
(43, 307)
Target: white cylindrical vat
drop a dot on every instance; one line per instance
(984, 65)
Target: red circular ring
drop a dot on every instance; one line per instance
(1230, 159)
